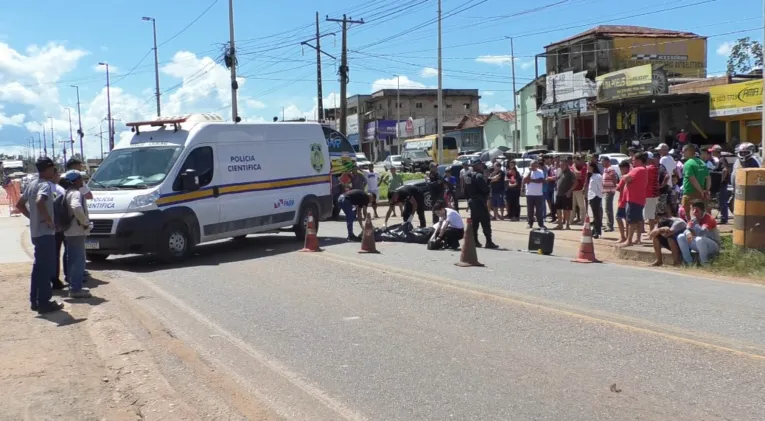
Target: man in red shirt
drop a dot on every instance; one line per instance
(652, 193)
(635, 188)
(621, 211)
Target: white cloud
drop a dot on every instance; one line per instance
(429, 72)
(402, 82)
(485, 109)
(487, 93)
(113, 70)
(254, 104)
(526, 65)
(725, 48)
(496, 60)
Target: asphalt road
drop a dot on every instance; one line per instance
(406, 335)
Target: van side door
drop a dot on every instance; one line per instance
(204, 202)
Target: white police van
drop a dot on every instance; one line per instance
(182, 181)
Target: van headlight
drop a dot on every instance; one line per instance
(144, 200)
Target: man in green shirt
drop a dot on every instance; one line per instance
(696, 179)
(394, 182)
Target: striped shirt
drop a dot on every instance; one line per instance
(610, 179)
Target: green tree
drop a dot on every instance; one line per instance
(745, 56)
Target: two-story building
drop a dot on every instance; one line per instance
(576, 62)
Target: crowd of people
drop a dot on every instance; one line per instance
(56, 206)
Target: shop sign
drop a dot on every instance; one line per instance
(630, 83)
(735, 99)
(678, 57)
(370, 131)
(352, 123)
(564, 108)
(568, 86)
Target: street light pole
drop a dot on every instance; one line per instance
(440, 139)
(232, 63)
(71, 138)
(109, 107)
(156, 60)
(52, 140)
(79, 122)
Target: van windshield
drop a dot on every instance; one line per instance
(135, 168)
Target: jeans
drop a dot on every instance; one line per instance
(535, 208)
(40, 291)
(350, 216)
(722, 201)
(56, 277)
(596, 204)
(702, 245)
(609, 201)
(75, 261)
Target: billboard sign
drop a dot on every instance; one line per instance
(352, 124)
(630, 83)
(679, 57)
(569, 86)
(735, 99)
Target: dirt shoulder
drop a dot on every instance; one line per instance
(77, 364)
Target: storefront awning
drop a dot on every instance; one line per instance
(653, 101)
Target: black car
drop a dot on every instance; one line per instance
(415, 161)
(422, 185)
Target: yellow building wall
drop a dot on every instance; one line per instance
(680, 57)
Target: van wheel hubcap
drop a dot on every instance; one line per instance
(177, 243)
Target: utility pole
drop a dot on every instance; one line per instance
(52, 140)
(440, 138)
(101, 135)
(344, 71)
(109, 107)
(40, 144)
(79, 122)
(64, 142)
(230, 60)
(71, 138)
(156, 59)
(398, 108)
(44, 142)
(516, 139)
(319, 52)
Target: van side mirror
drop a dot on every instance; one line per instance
(189, 180)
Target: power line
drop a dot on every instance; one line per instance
(204, 12)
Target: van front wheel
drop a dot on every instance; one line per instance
(175, 243)
(301, 228)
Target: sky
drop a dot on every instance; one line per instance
(47, 46)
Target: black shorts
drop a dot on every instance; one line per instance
(565, 203)
(634, 213)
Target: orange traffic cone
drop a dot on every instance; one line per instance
(468, 256)
(311, 240)
(586, 247)
(368, 244)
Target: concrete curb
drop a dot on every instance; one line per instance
(135, 377)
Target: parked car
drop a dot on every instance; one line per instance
(523, 165)
(415, 160)
(393, 161)
(615, 158)
(422, 185)
(362, 161)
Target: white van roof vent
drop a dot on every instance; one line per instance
(175, 121)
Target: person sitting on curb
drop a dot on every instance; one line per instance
(701, 236)
(451, 228)
(665, 235)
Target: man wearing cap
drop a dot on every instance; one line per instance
(39, 195)
(76, 234)
(478, 195)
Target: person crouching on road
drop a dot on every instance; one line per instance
(478, 197)
(412, 199)
(347, 201)
(450, 229)
(76, 234)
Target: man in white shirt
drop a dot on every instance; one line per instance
(667, 162)
(372, 186)
(450, 228)
(535, 200)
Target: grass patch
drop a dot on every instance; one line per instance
(385, 178)
(737, 261)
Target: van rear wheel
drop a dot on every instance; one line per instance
(175, 243)
(301, 228)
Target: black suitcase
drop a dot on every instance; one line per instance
(541, 241)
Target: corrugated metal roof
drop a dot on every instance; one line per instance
(628, 31)
(504, 116)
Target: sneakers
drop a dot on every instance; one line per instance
(58, 285)
(83, 293)
(49, 307)
(490, 245)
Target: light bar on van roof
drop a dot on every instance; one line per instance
(174, 120)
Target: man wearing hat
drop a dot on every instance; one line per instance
(478, 195)
(76, 233)
(42, 229)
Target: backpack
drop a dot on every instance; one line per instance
(62, 213)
